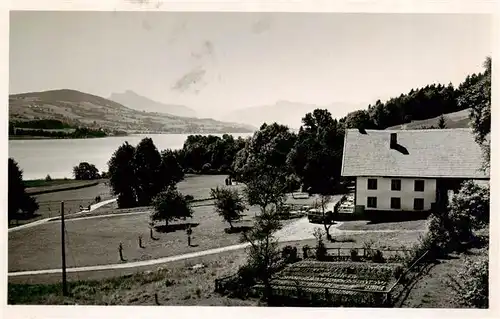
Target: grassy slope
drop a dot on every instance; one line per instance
(50, 203)
(433, 289)
(458, 119)
(77, 107)
(36, 183)
(175, 284)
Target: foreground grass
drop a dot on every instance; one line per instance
(175, 284)
(433, 290)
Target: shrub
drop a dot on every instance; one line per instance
(471, 205)
(398, 271)
(189, 197)
(48, 178)
(367, 246)
(206, 167)
(378, 257)
(321, 251)
(354, 254)
(471, 284)
(305, 251)
(289, 254)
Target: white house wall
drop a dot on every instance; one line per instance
(384, 193)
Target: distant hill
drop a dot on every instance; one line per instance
(285, 112)
(458, 119)
(79, 108)
(141, 103)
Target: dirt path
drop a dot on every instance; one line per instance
(298, 230)
(45, 220)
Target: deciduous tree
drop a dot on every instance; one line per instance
(122, 175)
(170, 205)
(18, 199)
(147, 171)
(228, 204)
(317, 154)
(85, 171)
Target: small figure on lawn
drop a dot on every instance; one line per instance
(120, 250)
(189, 231)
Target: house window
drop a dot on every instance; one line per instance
(418, 204)
(419, 185)
(395, 185)
(372, 202)
(372, 183)
(395, 203)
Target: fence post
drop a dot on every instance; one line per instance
(338, 251)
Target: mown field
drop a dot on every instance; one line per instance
(94, 239)
(35, 183)
(175, 283)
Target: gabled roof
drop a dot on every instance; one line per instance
(432, 153)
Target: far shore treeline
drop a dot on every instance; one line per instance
(55, 129)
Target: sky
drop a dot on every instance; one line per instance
(218, 62)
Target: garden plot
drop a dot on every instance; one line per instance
(335, 275)
(334, 283)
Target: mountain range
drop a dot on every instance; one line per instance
(83, 109)
(286, 113)
(141, 103)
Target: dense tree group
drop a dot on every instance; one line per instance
(427, 102)
(262, 163)
(209, 154)
(85, 171)
(138, 174)
(316, 157)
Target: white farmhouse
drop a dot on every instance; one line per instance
(409, 170)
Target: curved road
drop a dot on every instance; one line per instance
(299, 230)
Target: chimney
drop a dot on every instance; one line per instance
(394, 140)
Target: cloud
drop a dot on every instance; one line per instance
(207, 49)
(261, 26)
(191, 80)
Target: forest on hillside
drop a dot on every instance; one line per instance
(418, 104)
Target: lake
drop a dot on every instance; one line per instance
(37, 158)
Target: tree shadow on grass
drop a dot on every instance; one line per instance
(237, 229)
(342, 240)
(174, 227)
(396, 219)
(24, 217)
